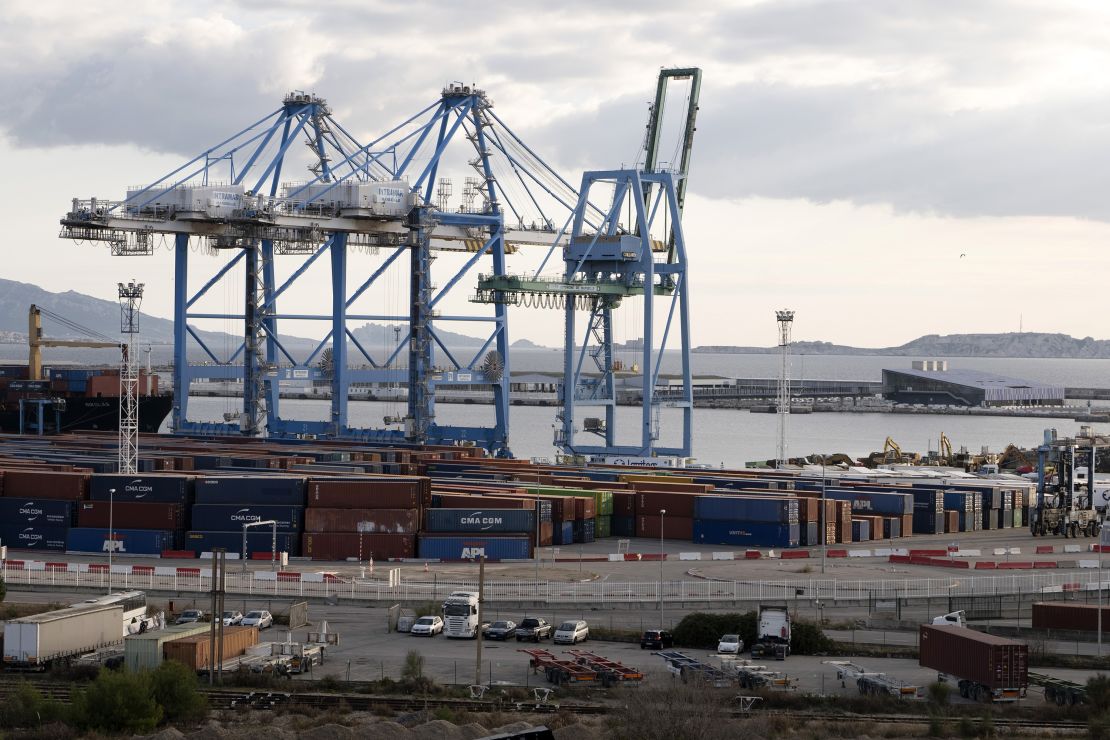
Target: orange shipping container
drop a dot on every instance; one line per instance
(194, 651)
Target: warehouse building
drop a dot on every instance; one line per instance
(932, 383)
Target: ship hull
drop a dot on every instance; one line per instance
(90, 414)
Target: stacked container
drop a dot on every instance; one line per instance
(223, 504)
(364, 518)
(746, 521)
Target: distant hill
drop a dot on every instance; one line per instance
(1014, 344)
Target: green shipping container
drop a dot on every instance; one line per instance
(144, 652)
(603, 500)
(603, 526)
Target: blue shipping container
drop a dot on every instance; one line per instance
(123, 541)
(563, 532)
(883, 504)
(926, 522)
(471, 547)
(273, 489)
(480, 520)
(32, 536)
(747, 509)
(861, 530)
(258, 540)
(36, 512)
(745, 534)
(225, 518)
(162, 489)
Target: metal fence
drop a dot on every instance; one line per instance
(269, 584)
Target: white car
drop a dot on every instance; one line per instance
(259, 619)
(572, 632)
(232, 617)
(430, 626)
(730, 644)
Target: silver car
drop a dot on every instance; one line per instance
(259, 619)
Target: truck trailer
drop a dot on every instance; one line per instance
(35, 642)
(985, 667)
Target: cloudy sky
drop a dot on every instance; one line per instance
(887, 168)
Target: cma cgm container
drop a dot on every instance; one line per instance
(986, 667)
(480, 520)
(275, 490)
(167, 489)
(226, 517)
(36, 512)
(1065, 615)
(38, 640)
(385, 521)
(776, 510)
(131, 515)
(122, 541)
(259, 539)
(751, 534)
(471, 547)
(345, 545)
(33, 536)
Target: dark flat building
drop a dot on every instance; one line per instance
(939, 386)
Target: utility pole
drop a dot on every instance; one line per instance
(785, 320)
(662, 512)
(478, 634)
(111, 534)
(130, 297)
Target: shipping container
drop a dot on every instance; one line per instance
(370, 493)
(670, 527)
(121, 542)
(38, 640)
(19, 536)
(868, 502)
(769, 509)
(226, 517)
(744, 534)
(861, 530)
(195, 651)
(131, 515)
(259, 539)
(995, 662)
(622, 526)
(675, 504)
(480, 520)
(928, 522)
(45, 484)
(1066, 615)
(263, 490)
(159, 488)
(585, 531)
(36, 512)
(472, 547)
(563, 533)
(386, 521)
(363, 546)
(144, 652)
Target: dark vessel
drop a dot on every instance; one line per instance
(74, 398)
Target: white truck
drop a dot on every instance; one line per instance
(35, 642)
(955, 619)
(460, 615)
(773, 633)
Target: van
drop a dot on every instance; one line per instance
(570, 633)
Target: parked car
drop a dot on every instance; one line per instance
(430, 626)
(500, 630)
(730, 644)
(656, 639)
(572, 633)
(259, 619)
(189, 616)
(534, 629)
(232, 617)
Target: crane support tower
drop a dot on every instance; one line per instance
(363, 209)
(785, 319)
(130, 298)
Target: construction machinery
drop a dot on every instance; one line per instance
(1065, 502)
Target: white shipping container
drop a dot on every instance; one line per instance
(39, 639)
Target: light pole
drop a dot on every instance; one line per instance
(824, 534)
(111, 538)
(661, 513)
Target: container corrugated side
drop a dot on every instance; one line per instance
(36, 512)
(40, 638)
(472, 547)
(384, 521)
(259, 539)
(480, 520)
(344, 545)
(19, 536)
(194, 651)
(745, 534)
(995, 662)
(271, 490)
(225, 517)
(1064, 615)
(144, 652)
(150, 487)
(772, 509)
(122, 541)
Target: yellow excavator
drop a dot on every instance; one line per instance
(35, 341)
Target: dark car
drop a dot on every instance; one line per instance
(533, 629)
(657, 639)
(500, 630)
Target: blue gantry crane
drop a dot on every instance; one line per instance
(375, 197)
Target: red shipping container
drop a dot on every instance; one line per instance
(1065, 615)
(624, 504)
(130, 515)
(545, 535)
(343, 545)
(45, 484)
(369, 493)
(995, 662)
(674, 527)
(583, 508)
(562, 509)
(907, 525)
(383, 521)
(466, 501)
(676, 504)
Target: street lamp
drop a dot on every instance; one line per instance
(824, 534)
(111, 537)
(661, 513)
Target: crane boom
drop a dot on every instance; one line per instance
(35, 343)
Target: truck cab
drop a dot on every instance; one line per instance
(773, 634)
(460, 615)
(955, 619)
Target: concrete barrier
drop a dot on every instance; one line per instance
(966, 554)
(1015, 551)
(616, 557)
(837, 553)
(689, 556)
(1016, 565)
(985, 565)
(752, 554)
(1088, 563)
(312, 577)
(1072, 548)
(1041, 564)
(1045, 549)
(265, 575)
(794, 554)
(999, 551)
(859, 553)
(723, 556)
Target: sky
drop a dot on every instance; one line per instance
(885, 168)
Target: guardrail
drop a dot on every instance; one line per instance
(62, 576)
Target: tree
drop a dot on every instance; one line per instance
(174, 687)
(117, 701)
(3, 589)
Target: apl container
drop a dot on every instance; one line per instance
(867, 502)
(122, 541)
(472, 547)
(776, 510)
(23, 536)
(273, 490)
(36, 512)
(224, 518)
(741, 534)
(259, 539)
(161, 488)
(480, 520)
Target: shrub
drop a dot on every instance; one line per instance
(117, 702)
(1098, 693)
(174, 687)
(1098, 727)
(938, 693)
(703, 630)
(413, 669)
(26, 707)
(808, 639)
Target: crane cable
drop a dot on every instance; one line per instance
(73, 325)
